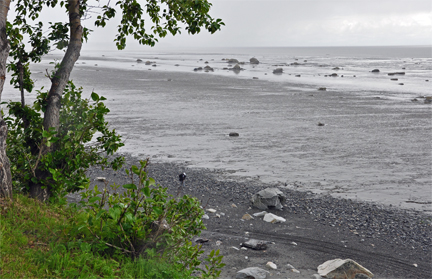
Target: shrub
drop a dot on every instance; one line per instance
(74, 149)
(144, 221)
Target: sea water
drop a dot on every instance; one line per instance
(376, 145)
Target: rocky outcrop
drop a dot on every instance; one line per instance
(342, 269)
(254, 61)
(268, 198)
(252, 273)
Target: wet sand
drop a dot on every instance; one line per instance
(371, 148)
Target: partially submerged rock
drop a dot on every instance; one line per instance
(342, 269)
(253, 60)
(268, 198)
(252, 273)
(278, 71)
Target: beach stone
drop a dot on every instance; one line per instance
(234, 134)
(336, 68)
(139, 60)
(247, 217)
(211, 210)
(252, 273)
(100, 178)
(259, 214)
(428, 100)
(342, 269)
(208, 68)
(255, 244)
(205, 216)
(322, 89)
(272, 218)
(232, 61)
(271, 265)
(334, 75)
(268, 198)
(253, 60)
(375, 71)
(148, 62)
(278, 71)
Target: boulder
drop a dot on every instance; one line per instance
(255, 244)
(334, 75)
(322, 89)
(268, 198)
(272, 218)
(375, 71)
(252, 273)
(234, 134)
(336, 68)
(208, 68)
(232, 61)
(253, 60)
(278, 71)
(342, 269)
(139, 60)
(148, 62)
(237, 67)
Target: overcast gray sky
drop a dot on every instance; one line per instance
(302, 23)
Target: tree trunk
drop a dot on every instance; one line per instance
(58, 84)
(5, 173)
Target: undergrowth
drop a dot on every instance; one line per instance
(39, 240)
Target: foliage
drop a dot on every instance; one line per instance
(80, 120)
(35, 243)
(141, 220)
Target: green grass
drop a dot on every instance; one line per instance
(37, 240)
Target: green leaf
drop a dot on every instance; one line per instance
(146, 191)
(130, 186)
(94, 96)
(93, 199)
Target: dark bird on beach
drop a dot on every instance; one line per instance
(182, 177)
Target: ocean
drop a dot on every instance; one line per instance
(374, 143)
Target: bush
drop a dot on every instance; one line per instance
(144, 221)
(73, 152)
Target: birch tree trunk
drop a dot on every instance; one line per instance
(58, 84)
(5, 173)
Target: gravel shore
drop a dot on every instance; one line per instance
(391, 242)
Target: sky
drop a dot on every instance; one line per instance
(256, 23)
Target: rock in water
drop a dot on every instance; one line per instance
(268, 198)
(253, 60)
(252, 273)
(342, 269)
(375, 71)
(278, 71)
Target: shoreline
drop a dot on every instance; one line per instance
(387, 241)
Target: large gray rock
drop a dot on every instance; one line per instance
(342, 269)
(268, 198)
(252, 273)
(253, 60)
(232, 61)
(255, 244)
